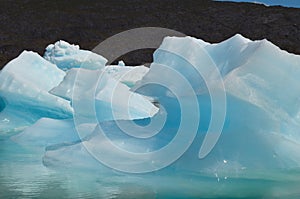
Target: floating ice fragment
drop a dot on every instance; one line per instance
(121, 63)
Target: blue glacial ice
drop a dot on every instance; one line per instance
(80, 113)
(260, 130)
(62, 130)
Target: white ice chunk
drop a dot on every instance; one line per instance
(128, 75)
(67, 56)
(25, 82)
(121, 63)
(113, 99)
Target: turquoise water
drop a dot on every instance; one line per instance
(22, 175)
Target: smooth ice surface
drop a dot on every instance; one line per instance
(127, 75)
(257, 154)
(24, 85)
(260, 112)
(26, 80)
(28, 87)
(67, 56)
(254, 71)
(242, 149)
(53, 132)
(112, 98)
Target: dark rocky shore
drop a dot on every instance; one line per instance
(32, 24)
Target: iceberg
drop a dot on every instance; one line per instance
(118, 123)
(254, 115)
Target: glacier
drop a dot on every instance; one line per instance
(114, 124)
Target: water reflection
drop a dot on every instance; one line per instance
(22, 175)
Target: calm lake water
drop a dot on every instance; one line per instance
(22, 175)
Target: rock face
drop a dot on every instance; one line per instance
(33, 24)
